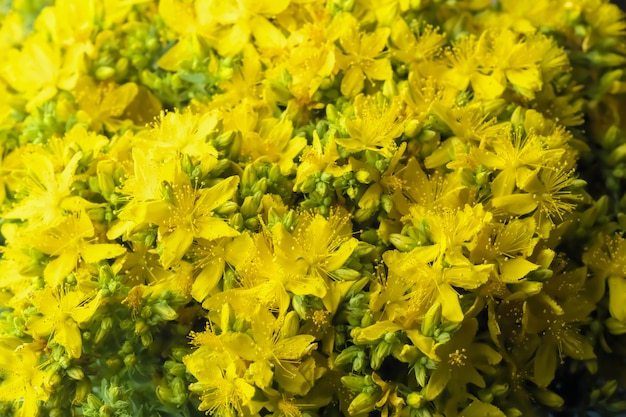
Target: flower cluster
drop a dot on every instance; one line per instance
(312, 208)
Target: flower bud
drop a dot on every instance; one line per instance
(549, 398)
(415, 400)
(105, 174)
(354, 382)
(401, 242)
(363, 403)
(412, 128)
(167, 192)
(75, 373)
(104, 73)
(431, 320)
(346, 274)
(250, 207)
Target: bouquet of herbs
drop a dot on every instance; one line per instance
(312, 208)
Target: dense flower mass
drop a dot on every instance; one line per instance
(312, 208)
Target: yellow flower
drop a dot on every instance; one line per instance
(432, 282)
(317, 247)
(211, 257)
(181, 133)
(408, 48)
(229, 24)
(320, 158)
(311, 59)
(61, 314)
(459, 362)
(24, 381)
(47, 192)
(70, 242)
(363, 55)
(517, 157)
(375, 126)
(108, 104)
(275, 143)
(187, 212)
(222, 389)
(465, 62)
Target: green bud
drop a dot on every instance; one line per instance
(513, 412)
(175, 368)
(106, 411)
(420, 375)
(608, 389)
(415, 400)
(354, 382)
(347, 355)
(345, 274)
(617, 155)
(164, 394)
(540, 274)
(549, 398)
(104, 73)
(499, 389)
(299, 305)
(290, 220)
(617, 406)
(485, 395)
(363, 177)
(331, 112)
(608, 59)
(121, 67)
(227, 208)
(94, 402)
(236, 222)
(615, 326)
(249, 207)
(290, 326)
(387, 203)
(380, 353)
(482, 176)
(251, 224)
(431, 320)
(427, 135)
(83, 388)
(167, 192)
(260, 186)
(131, 360)
(105, 174)
(179, 390)
(518, 117)
(248, 177)
(412, 128)
(75, 373)
(401, 242)
(97, 214)
(363, 403)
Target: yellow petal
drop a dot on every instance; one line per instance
(294, 348)
(174, 246)
(212, 228)
(266, 34)
(516, 204)
(99, 251)
(450, 306)
(353, 81)
(617, 298)
(378, 69)
(208, 279)
(59, 268)
(512, 270)
(68, 335)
